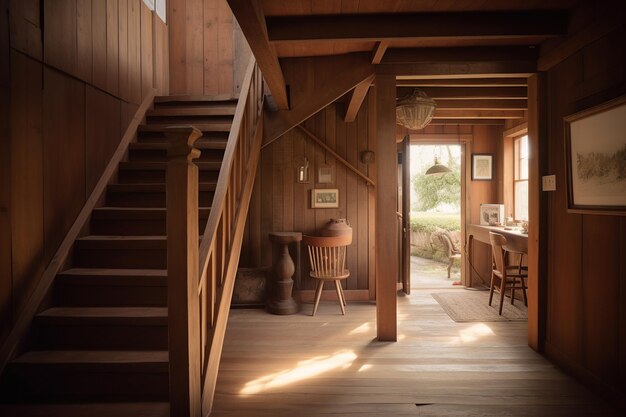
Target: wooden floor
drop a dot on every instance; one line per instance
(330, 365)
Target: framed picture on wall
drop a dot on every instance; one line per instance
(595, 155)
(324, 198)
(482, 166)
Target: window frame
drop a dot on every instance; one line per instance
(517, 163)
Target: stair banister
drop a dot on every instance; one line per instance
(207, 305)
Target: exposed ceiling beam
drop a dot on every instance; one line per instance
(249, 14)
(379, 51)
(461, 93)
(496, 122)
(465, 54)
(407, 81)
(328, 79)
(476, 69)
(487, 104)
(478, 114)
(355, 99)
(417, 25)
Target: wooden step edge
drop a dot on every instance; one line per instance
(209, 144)
(162, 165)
(129, 409)
(89, 316)
(98, 277)
(94, 357)
(152, 188)
(138, 213)
(203, 127)
(186, 98)
(199, 111)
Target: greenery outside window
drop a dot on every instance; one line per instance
(520, 178)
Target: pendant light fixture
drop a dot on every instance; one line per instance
(416, 110)
(438, 170)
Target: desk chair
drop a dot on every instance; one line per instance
(507, 276)
(328, 263)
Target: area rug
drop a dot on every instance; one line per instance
(467, 306)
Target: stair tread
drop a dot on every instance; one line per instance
(104, 312)
(152, 409)
(115, 272)
(93, 357)
(221, 109)
(153, 187)
(183, 98)
(138, 212)
(162, 144)
(203, 127)
(162, 165)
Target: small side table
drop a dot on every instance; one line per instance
(280, 301)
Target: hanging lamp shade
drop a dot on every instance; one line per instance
(438, 169)
(416, 110)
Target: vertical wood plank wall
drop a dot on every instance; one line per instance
(283, 204)
(586, 314)
(74, 88)
(208, 53)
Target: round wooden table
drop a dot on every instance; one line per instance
(280, 300)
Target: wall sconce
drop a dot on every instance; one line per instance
(302, 174)
(367, 157)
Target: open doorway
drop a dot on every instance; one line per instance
(435, 215)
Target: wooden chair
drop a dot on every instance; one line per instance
(452, 252)
(509, 276)
(328, 263)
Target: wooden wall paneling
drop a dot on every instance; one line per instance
(147, 63)
(255, 242)
(371, 200)
(241, 56)
(25, 27)
(161, 74)
(277, 186)
(127, 111)
(267, 193)
(112, 54)
(27, 179)
(134, 50)
(64, 148)
(300, 197)
(386, 183)
(319, 128)
(60, 35)
(218, 48)
(564, 240)
(177, 17)
(5, 176)
(600, 296)
(84, 52)
(102, 133)
(123, 61)
(622, 304)
(351, 199)
(309, 213)
(193, 46)
(362, 195)
(288, 174)
(99, 43)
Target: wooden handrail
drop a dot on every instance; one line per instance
(336, 155)
(204, 293)
(55, 266)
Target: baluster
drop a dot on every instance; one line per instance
(182, 270)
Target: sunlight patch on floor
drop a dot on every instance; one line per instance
(305, 369)
(474, 333)
(363, 328)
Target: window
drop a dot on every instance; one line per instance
(520, 178)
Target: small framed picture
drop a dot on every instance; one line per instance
(482, 167)
(491, 214)
(324, 198)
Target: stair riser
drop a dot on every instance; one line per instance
(160, 155)
(149, 200)
(115, 258)
(188, 120)
(109, 296)
(76, 383)
(159, 137)
(132, 227)
(158, 176)
(100, 337)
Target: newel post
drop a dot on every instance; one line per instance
(182, 272)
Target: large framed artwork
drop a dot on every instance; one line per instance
(595, 155)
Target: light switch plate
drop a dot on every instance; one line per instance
(548, 182)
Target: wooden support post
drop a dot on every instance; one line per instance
(386, 241)
(182, 272)
(537, 211)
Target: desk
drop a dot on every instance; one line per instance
(516, 240)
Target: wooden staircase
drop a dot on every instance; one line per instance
(102, 337)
